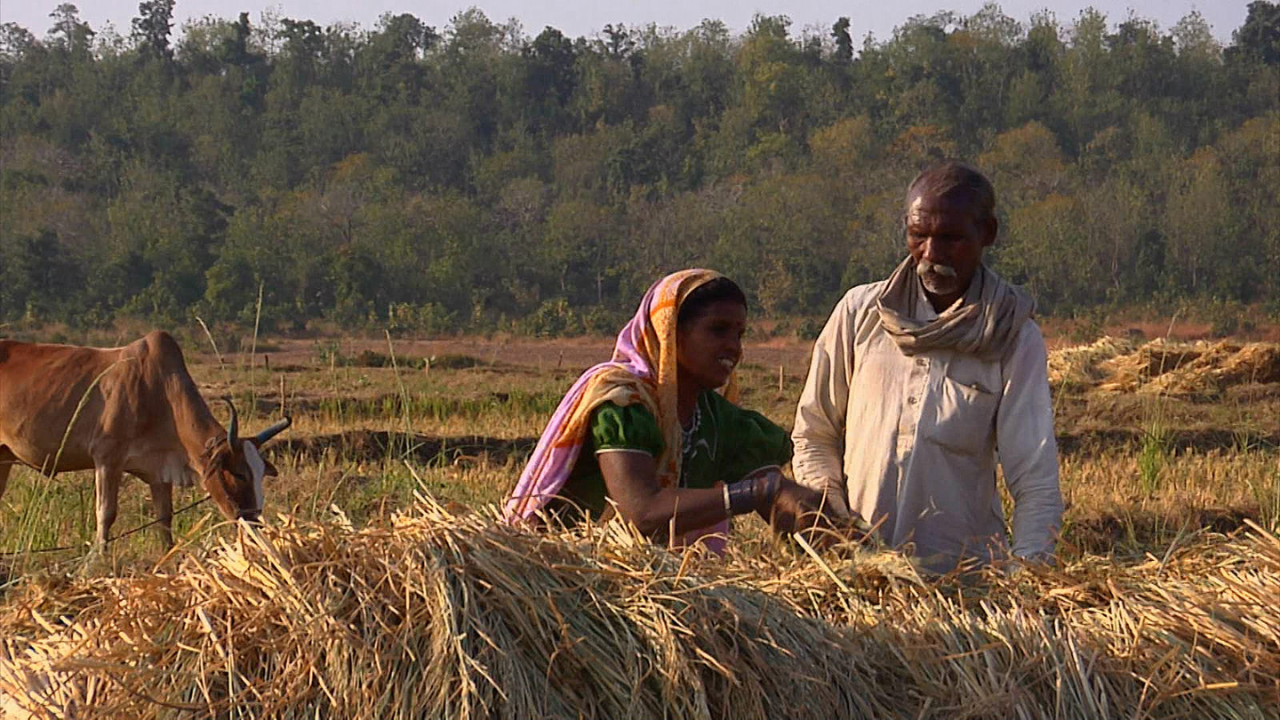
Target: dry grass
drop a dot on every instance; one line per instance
(1076, 368)
(1163, 608)
(1164, 368)
(1219, 367)
(444, 615)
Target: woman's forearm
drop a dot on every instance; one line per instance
(630, 480)
(677, 511)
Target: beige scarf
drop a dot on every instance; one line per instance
(984, 321)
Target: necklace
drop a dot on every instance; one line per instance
(686, 442)
(686, 435)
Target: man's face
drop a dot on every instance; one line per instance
(946, 239)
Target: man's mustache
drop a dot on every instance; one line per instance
(924, 267)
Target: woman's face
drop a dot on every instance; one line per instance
(709, 346)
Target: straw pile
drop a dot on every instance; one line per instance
(444, 616)
(1163, 367)
(1219, 367)
(1076, 368)
(1131, 371)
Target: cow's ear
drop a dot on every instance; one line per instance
(269, 469)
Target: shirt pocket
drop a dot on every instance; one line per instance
(964, 419)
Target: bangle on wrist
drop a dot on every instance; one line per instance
(742, 496)
(728, 506)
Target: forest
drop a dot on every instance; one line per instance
(478, 177)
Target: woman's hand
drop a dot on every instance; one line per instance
(754, 493)
(795, 509)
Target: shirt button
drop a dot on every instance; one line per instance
(911, 400)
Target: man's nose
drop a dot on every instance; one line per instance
(931, 250)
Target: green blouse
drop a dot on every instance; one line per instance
(727, 444)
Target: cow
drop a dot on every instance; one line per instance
(132, 409)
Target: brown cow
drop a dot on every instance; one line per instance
(136, 410)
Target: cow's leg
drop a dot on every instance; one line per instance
(162, 504)
(107, 495)
(7, 459)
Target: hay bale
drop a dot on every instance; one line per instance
(1253, 364)
(1076, 368)
(441, 616)
(1162, 367)
(1128, 372)
(1219, 367)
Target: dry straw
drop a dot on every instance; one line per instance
(458, 616)
(1161, 367)
(1077, 368)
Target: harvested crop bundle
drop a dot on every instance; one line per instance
(1160, 367)
(1077, 367)
(447, 616)
(1129, 372)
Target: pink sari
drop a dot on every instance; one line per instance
(643, 370)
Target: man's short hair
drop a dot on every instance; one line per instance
(960, 182)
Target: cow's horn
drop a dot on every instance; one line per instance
(233, 434)
(272, 431)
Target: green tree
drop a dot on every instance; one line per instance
(1259, 37)
(844, 43)
(152, 27)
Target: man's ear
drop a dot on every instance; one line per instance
(270, 470)
(991, 231)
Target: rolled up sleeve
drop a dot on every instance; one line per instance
(1027, 448)
(818, 435)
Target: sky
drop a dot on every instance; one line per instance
(587, 17)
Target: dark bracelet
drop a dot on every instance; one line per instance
(753, 493)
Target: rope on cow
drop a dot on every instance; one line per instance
(121, 536)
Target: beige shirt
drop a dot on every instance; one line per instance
(912, 442)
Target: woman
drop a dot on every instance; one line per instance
(650, 430)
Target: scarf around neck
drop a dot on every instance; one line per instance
(985, 321)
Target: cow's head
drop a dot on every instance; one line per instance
(234, 469)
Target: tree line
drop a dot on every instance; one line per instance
(475, 177)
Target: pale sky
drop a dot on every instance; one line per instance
(585, 17)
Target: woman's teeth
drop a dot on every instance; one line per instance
(728, 363)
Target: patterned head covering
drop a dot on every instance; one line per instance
(643, 370)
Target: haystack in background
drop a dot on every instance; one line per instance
(1161, 367)
(1219, 367)
(1130, 371)
(444, 616)
(1077, 368)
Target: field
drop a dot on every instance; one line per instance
(1170, 458)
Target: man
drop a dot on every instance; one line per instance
(918, 381)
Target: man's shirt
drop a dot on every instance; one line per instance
(911, 442)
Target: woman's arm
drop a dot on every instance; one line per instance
(631, 479)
